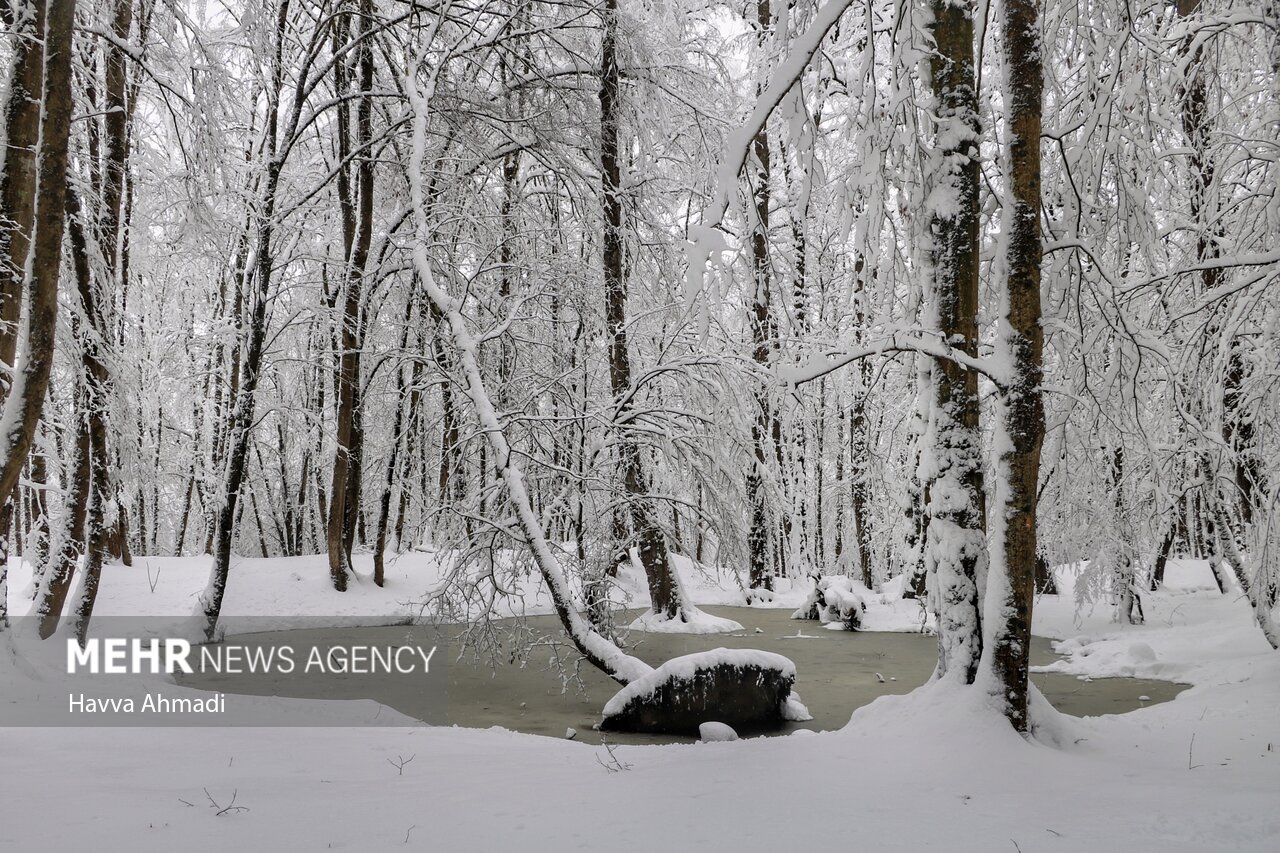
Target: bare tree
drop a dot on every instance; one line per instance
(43, 192)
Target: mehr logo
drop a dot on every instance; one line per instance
(120, 656)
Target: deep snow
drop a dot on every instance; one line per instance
(931, 769)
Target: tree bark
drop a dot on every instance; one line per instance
(97, 296)
(46, 189)
(393, 462)
(955, 544)
(764, 427)
(344, 502)
(209, 605)
(650, 542)
(86, 533)
(1011, 587)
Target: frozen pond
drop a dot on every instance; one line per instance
(837, 671)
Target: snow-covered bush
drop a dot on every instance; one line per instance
(836, 598)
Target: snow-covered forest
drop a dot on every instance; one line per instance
(916, 315)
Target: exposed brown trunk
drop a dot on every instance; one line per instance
(393, 461)
(46, 189)
(1162, 555)
(241, 425)
(344, 503)
(651, 543)
(86, 534)
(765, 427)
(1023, 405)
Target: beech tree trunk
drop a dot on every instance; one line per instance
(1011, 587)
(955, 544)
(761, 566)
(98, 492)
(344, 501)
(42, 190)
(645, 531)
(209, 605)
(393, 463)
(85, 533)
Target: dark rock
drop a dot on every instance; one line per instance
(741, 688)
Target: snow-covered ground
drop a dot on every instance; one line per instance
(295, 592)
(931, 770)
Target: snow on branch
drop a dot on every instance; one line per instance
(594, 646)
(704, 238)
(906, 340)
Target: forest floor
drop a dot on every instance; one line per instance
(934, 768)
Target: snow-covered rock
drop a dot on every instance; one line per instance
(743, 688)
(711, 732)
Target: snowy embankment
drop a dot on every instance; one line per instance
(933, 769)
(295, 592)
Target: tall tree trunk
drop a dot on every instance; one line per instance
(86, 533)
(209, 605)
(97, 296)
(1011, 585)
(651, 544)
(765, 427)
(344, 502)
(44, 190)
(393, 462)
(956, 539)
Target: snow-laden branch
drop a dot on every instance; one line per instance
(597, 649)
(705, 237)
(904, 341)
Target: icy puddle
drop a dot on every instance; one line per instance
(837, 671)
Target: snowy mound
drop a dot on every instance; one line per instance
(742, 688)
(836, 598)
(716, 732)
(694, 621)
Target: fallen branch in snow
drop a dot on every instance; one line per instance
(614, 765)
(229, 808)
